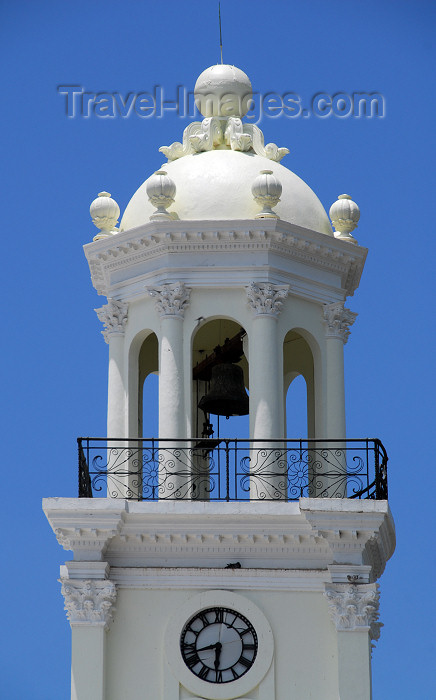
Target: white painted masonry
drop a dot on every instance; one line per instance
(200, 255)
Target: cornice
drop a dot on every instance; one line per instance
(311, 534)
(150, 244)
(84, 525)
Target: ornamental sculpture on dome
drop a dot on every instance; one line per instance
(223, 95)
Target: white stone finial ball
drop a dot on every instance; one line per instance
(223, 91)
(104, 214)
(161, 190)
(266, 190)
(345, 215)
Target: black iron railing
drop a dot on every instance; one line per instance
(231, 470)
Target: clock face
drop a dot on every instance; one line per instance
(218, 645)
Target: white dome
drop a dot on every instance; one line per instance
(216, 185)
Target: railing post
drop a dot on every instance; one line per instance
(85, 487)
(228, 471)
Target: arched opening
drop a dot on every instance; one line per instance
(218, 342)
(296, 408)
(148, 388)
(298, 387)
(220, 407)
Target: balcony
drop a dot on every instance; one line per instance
(228, 470)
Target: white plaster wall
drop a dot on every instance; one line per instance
(305, 658)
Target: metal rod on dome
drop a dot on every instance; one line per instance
(221, 36)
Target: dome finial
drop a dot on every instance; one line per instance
(345, 215)
(104, 214)
(223, 91)
(266, 190)
(160, 190)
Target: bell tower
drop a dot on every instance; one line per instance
(224, 557)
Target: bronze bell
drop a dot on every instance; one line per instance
(227, 395)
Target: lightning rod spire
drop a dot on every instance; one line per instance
(221, 36)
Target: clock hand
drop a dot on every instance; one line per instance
(211, 646)
(218, 648)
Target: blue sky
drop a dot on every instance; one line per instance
(54, 358)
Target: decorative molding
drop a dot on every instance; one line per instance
(266, 298)
(219, 132)
(338, 320)
(171, 299)
(355, 607)
(89, 602)
(147, 249)
(186, 578)
(114, 317)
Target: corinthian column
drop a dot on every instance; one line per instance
(354, 609)
(331, 479)
(121, 483)
(337, 321)
(171, 302)
(113, 315)
(266, 387)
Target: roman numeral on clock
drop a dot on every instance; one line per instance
(245, 662)
(204, 672)
(203, 619)
(192, 659)
(219, 615)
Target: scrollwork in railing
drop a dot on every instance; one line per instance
(232, 470)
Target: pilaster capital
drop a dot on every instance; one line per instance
(114, 317)
(337, 320)
(266, 298)
(171, 299)
(89, 602)
(354, 607)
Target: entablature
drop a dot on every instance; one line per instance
(322, 266)
(294, 535)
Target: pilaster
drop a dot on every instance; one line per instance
(354, 609)
(89, 604)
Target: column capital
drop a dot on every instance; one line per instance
(89, 602)
(354, 607)
(337, 320)
(114, 317)
(265, 298)
(171, 299)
